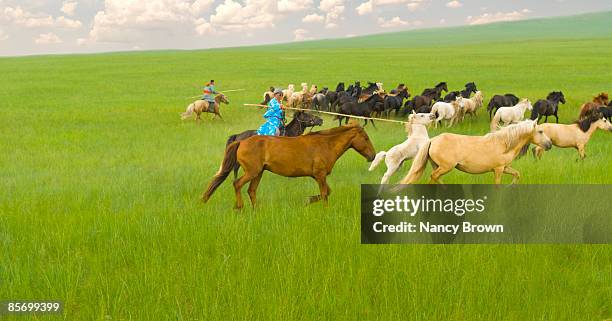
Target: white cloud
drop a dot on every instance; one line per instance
(301, 35)
(293, 5)
(333, 12)
(47, 38)
(20, 17)
(254, 14)
(128, 21)
(68, 7)
(370, 5)
(313, 18)
(3, 35)
(498, 17)
(454, 4)
(364, 8)
(391, 23)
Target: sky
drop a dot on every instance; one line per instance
(82, 26)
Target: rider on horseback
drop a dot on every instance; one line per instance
(275, 116)
(209, 92)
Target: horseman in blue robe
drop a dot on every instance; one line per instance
(275, 116)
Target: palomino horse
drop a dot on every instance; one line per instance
(510, 115)
(575, 135)
(598, 101)
(202, 106)
(493, 152)
(312, 155)
(398, 154)
(450, 112)
(470, 105)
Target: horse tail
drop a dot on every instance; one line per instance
(187, 112)
(418, 165)
(231, 139)
(229, 161)
(379, 157)
(495, 121)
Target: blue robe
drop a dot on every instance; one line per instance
(274, 119)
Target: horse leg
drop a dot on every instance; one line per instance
(514, 173)
(392, 167)
(557, 118)
(372, 121)
(253, 188)
(498, 171)
(238, 186)
(365, 123)
(580, 149)
(546, 119)
(438, 172)
(323, 189)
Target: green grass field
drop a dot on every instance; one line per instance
(100, 184)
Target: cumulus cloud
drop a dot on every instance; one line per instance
(126, 21)
(301, 35)
(333, 12)
(69, 7)
(47, 38)
(20, 17)
(498, 17)
(313, 18)
(392, 23)
(370, 5)
(293, 5)
(454, 4)
(254, 14)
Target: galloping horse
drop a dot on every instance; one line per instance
(497, 101)
(363, 109)
(417, 136)
(202, 106)
(493, 152)
(437, 90)
(510, 115)
(450, 112)
(600, 100)
(548, 107)
(470, 105)
(312, 155)
(297, 126)
(575, 135)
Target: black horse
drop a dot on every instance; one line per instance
(451, 96)
(437, 90)
(548, 107)
(420, 104)
(507, 100)
(343, 98)
(372, 87)
(363, 109)
(606, 112)
(470, 88)
(297, 126)
(395, 101)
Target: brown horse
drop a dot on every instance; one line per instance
(598, 101)
(202, 106)
(311, 155)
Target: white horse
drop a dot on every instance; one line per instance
(470, 105)
(510, 115)
(446, 111)
(287, 93)
(417, 137)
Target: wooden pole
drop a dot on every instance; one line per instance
(332, 113)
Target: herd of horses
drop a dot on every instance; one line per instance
(295, 154)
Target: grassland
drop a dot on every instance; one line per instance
(100, 180)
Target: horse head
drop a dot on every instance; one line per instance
(442, 86)
(221, 98)
(604, 124)
(538, 136)
(471, 86)
(362, 144)
(601, 99)
(308, 120)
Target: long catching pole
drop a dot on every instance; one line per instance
(225, 91)
(332, 113)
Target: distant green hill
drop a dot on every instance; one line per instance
(592, 25)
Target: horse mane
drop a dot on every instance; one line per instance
(335, 130)
(585, 123)
(440, 84)
(510, 134)
(602, 98)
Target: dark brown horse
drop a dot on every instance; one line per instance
(600, 100)
(312, 155)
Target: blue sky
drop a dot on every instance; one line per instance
(79, 26)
